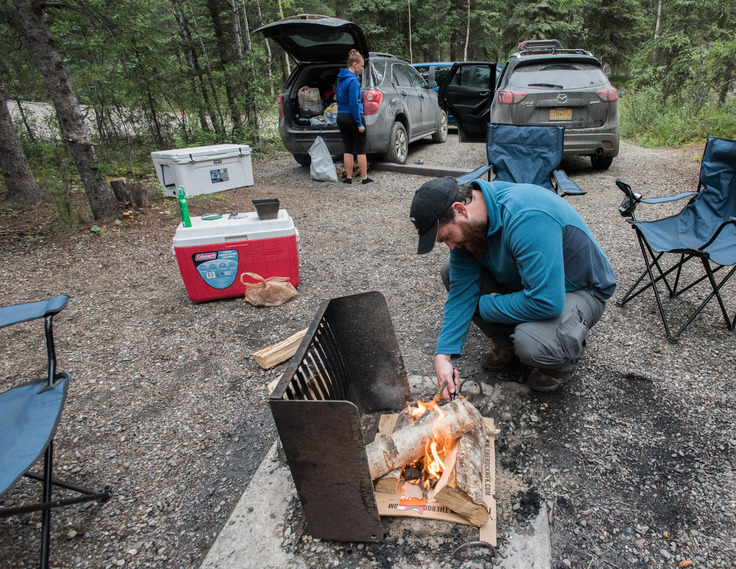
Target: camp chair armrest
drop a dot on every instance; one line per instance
(628, 206)
(664, 199)
(17, 313)
(626, 189)
(474, 175)
(565, 185)
(730, 221)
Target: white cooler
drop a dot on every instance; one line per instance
(204, 169)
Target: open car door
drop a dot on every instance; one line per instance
(467, 94)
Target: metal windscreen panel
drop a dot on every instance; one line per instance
(348, 363)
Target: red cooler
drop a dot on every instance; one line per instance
(217, 249)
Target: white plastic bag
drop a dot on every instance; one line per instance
(322, 168)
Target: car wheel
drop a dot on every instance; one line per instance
(441, 134)
(398, 145)
(303, 159)
(601, 162)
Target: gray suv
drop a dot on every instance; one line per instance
(400, 107)
(541, 84)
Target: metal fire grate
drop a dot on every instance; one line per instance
(349, 364)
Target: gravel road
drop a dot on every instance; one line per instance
(633, 458)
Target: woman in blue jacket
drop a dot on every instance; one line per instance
(350, 116)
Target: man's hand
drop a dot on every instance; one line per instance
(446, 373)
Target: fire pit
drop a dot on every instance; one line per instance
(346, 375)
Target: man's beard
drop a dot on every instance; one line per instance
(475, 238)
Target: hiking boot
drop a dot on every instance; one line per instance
(540, 381)
(497, 359)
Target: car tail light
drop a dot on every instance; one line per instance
(510, 97)
(372, 102)
(608, 95)
(280, 104)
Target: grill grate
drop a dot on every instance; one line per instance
(322, 373)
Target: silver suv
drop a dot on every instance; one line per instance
(541, 84)
(399, 106)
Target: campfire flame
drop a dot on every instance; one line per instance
(426, 471)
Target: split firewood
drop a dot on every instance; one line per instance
(461, 486)
(391, 481)
(271, 385)
(406, 445)
(280, 352)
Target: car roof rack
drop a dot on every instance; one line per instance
(301, 17)
(381, 54)
(538, 44)
(531, 47)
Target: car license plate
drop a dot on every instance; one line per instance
(560, 114)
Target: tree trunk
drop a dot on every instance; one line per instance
(408, 444)
(237, 31)
(193, 64)
(286, 55)
(411, 55)
(217, 123)
(158, 136)
(22, 186)
(29, 130)
(48, 60)
(245, 26)
(268, 52)
(657, 32)
(223, 52)
(467, 35)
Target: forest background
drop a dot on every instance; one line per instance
(157, 74)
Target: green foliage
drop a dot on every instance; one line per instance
(650, 119)
(57, 176)
(157, 74)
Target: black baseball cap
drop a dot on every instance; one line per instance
(430, 202)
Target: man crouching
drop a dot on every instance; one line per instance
(523, 267)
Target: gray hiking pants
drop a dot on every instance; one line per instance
(555, 345)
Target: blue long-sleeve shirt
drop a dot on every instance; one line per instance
(349, 95)
(539, 246)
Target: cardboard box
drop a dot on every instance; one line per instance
(204, 169)
(405, 502)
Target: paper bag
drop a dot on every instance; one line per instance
(272, 291)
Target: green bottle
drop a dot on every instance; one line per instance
(186, 222)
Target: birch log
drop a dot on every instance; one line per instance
(461, 485)
(407, 444)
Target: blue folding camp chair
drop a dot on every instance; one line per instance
(29, 415)
(705, 230)
(525, 154)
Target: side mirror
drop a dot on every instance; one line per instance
(431, 85)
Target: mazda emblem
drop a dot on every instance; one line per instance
(562, 98)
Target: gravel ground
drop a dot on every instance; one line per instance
(633, 459)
